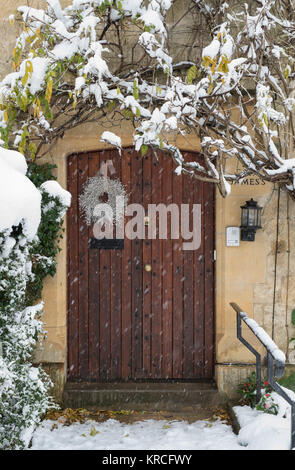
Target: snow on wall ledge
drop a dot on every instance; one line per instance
(20, 200)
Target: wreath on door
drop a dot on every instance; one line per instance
(102, 190)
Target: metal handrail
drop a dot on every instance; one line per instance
(275, 361)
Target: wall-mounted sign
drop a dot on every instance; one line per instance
(232, 236)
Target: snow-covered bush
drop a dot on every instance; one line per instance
(24, 389)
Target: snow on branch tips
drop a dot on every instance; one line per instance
(118, 60)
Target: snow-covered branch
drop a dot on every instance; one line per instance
(100, 58)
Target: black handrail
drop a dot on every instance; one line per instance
(275, 361)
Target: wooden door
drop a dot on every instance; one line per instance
(125, 322)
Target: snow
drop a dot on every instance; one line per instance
(149, 434)
(54, 189)
(230, 63)
(258, 431)
(111, 138)
(227, 48)
(212, 49)
(19, 199)
(152, 19)
(264, 338)
(15, 159)
(96, 65)
(262, 431)
(40, 66)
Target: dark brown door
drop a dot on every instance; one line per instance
(124, 321)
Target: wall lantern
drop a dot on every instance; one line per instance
(251, 220)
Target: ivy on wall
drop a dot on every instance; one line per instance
(50, 232)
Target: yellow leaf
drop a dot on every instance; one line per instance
(93, 431)
(287, 71)
(208, 61)
(5, 115)
(36, 111)
(210, 89)
(25, 79)
(223, 65)
(191, 74)
(48, 92)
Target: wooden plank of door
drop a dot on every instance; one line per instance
(147, 275)
(137, 365)
(157, 332)
(188, 286)
(105, 302)
(199, 291)
(116, 292)
(167, 257)
(126, 279)
(83, 274)
(177, 288)
(73, 272)
(94, 293)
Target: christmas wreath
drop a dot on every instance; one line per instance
(102, 190)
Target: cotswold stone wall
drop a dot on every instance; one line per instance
(245, 274)
(259, 276)
(278, 216)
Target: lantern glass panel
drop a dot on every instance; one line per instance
(252, 220)
(244, 217)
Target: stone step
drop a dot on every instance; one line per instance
(176, 396)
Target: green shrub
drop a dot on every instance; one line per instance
(288, 382)
(50, 232)
(248, 391)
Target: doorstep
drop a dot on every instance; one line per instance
(153, 396)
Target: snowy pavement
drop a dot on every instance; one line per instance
(143, 435)
(259, 431)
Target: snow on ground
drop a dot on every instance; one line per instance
(259, 431)
(262, 431)
(142, 435)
